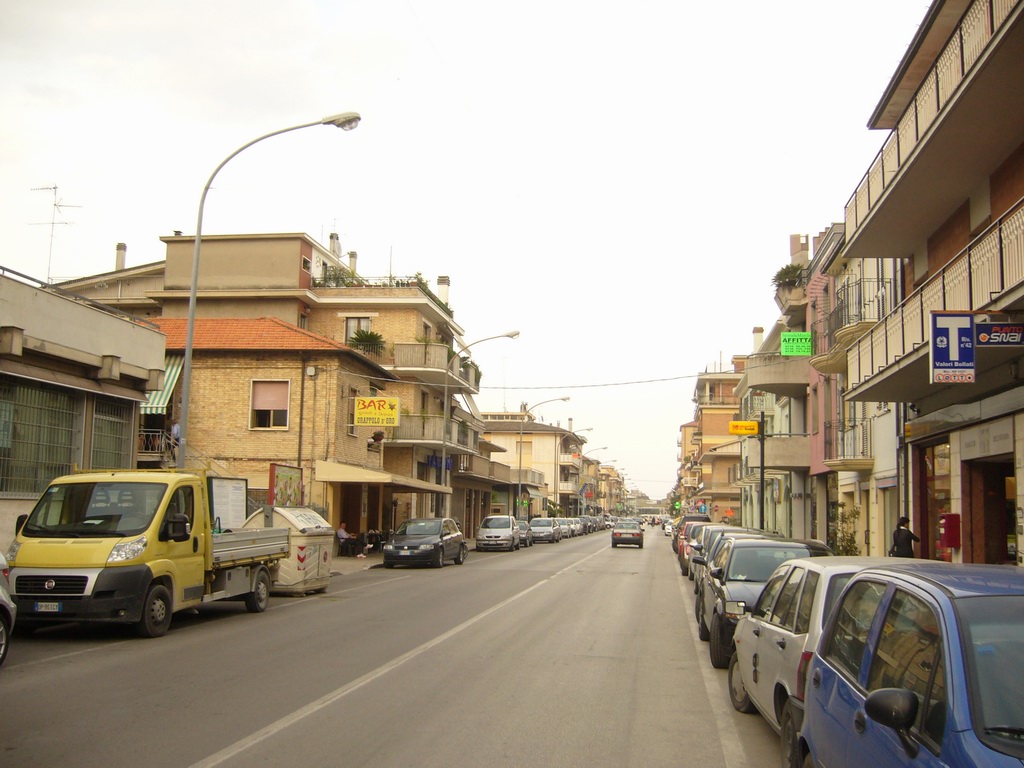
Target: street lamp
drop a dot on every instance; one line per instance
(447, 414)
(519, 477)
(344, 120)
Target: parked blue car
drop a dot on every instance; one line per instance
(921, 663)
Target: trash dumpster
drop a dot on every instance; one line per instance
(311, 544)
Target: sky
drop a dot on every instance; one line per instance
(616, 180)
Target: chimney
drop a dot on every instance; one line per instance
(352, 257)
(335, 246)
(119, 254)
(443, 284)
(570, 424)
(758, 337)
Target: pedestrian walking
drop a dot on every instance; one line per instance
(903, 539)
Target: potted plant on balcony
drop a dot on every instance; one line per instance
(368, 342)
(788, 282)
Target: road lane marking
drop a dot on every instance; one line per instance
(314, 707)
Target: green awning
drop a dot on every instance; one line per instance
(156, 402)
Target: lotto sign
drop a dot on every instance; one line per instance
(951, 359)
(376, 412)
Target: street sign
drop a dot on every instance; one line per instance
(376, 412)
(951, 359)
(999, 334)
(743, 427)
(795, 344)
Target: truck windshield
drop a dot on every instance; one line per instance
(95, 509)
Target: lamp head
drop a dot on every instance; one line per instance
(345, 120)
(512, 334)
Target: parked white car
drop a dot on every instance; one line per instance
(8, 611)
(776, 641)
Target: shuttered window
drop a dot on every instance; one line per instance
(269, 405)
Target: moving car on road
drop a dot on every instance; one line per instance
(627, 531)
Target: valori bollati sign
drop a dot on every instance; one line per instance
(376, 412)
(743, 427)
(795, 344)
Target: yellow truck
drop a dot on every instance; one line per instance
(134, 547)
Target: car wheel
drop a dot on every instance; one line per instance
(737, 693)
(439, 558)
(389, 565)
(808, 761)
(702, 630)
(258, 600)
(463, 553)
(787, 732)
(698, 609)
(5, 637)
(684, 568)
(719, 651)
(614, 545)
(641, 545)
(156, 612)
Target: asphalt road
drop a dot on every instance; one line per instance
(572, 654)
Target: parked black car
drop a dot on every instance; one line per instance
(426, 540)
(735, 579)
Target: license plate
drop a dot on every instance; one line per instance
(47, 607)
(405, 551)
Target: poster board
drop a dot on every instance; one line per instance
(228, 500)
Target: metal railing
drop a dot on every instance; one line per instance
(964, 48)
(857, 301)
(847, 439)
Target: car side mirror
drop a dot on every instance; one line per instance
(698, 560)
(175, 528)
(19, 523)
(717, 573)
(895, 708)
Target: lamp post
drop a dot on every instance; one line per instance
(344, 120)
(519, 477)
(447, 415)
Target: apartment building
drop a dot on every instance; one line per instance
(937, 222)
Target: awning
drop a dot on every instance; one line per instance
(156, 402)
(535, 494)
(330, 472)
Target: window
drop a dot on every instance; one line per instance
(803, 612)
(111, 434)
(40, 435)
(269, 405)
(768, 594)
(784, 614)
(845, 645)
(353, 393)
(353, 324)
(909, 655)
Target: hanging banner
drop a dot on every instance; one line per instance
(376, 412)
(795, 344)
(951, 358)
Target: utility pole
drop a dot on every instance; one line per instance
(760, 438)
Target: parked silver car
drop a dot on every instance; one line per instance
(546, 529)
(498, 532)
(525, 534)
(8, 611)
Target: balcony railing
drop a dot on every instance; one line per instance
(848, 444)
(989, 267)
(964, 48)
(857, 301)
(434, 357)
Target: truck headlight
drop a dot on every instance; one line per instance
(12, 551)
(127, 550)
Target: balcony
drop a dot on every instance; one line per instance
(427, 430)
(570, 460)
(781, 375)
(890, 363)
(792, 301)
(427, 363)
(860, 304)
(848, 445)
(962, 120)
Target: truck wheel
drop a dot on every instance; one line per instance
(156, 612)
(258, 600)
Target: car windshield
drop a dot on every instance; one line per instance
(630, 525)
(541, 522)
(759, 563)
(80, 510)
(993, 644)
(495, 522)
(429, 527)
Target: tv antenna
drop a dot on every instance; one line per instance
(57, 211)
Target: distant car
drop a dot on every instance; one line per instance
(546, 529)
(577, 526)
(566, 526)
(667, 528)
(498, 532)
(735, 579)
(777, 638)
(627, 532)
(8, 611)
(525, 534)
(430, 540)
(919, 665)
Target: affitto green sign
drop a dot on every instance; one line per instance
(796, 344)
